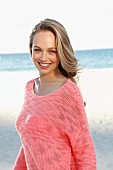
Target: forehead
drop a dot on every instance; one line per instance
(44, 36)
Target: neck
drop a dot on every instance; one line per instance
(47, 79)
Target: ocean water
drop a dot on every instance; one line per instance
(88, 59)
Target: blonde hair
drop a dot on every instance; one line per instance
(68, 63)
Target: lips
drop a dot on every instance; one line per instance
(44, 65)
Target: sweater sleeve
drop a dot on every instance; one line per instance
(20, 163)
(81, 140)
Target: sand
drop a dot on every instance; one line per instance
(97, 89)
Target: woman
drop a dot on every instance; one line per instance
(52, 125)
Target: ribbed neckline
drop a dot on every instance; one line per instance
(51, 94)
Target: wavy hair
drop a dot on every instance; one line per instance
(68, 63)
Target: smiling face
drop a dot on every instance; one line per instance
(44, 53)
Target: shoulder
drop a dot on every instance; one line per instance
(30, 83)
(73, 88)
(74, 92)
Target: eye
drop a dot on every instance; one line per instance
(37, 50)
(52, 51)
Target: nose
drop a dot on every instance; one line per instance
(43, 57)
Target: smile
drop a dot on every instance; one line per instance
(44, 65)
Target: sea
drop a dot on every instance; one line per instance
(88, 59)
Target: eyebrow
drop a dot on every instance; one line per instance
(35, 46)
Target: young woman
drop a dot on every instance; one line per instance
(52, 125)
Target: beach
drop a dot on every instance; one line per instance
(96, 86)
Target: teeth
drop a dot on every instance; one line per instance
(44, 64)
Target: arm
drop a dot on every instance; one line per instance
(20, 163)
(81, 140)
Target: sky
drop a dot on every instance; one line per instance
(89, 23)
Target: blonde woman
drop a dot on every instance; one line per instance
(52, 125)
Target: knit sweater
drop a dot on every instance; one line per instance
(54, 131)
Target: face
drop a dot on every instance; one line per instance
(44, 53)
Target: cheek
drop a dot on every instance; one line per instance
(34, 56)
(55, 59)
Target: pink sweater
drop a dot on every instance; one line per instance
(54, 131)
